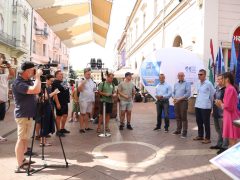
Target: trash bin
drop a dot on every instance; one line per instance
(191, 104)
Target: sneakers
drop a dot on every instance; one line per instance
(176, 133)
(157, 129)
(215, 147)
(221, 150)
(60, 134)
(184, 135)
(2, 139)
(88, 129)
(121, 127)
(166, 130)
(129, 127)
(81, 131)
(64, 131)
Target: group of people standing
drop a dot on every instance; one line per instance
(221, 102)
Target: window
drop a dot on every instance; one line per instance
(34, 47)
(24, 34)
(44, 50)
(155, 8)
(144, 21)
(136, 31)
(35, 23)
(1, 23)
(14, 29)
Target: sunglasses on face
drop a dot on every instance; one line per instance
(200, 74)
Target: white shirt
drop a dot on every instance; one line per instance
(87, 94)
(4, 87)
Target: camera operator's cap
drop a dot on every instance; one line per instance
(27, 65)
(128, 74)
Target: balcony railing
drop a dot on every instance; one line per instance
(7, 39)
(41, 32)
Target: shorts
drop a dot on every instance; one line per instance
(24, 126)
(75, 107)
(126, 105)
(109, 107)
(63, 110)
(85, 107)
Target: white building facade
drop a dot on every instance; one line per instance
(189, 24)
(15, 29)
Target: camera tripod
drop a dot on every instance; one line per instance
(42, 99)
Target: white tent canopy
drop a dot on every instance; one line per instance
(76, 22)
(121, 73)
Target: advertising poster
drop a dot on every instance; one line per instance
(170, 61)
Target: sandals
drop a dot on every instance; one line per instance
(23, 169)
(98, 130)
(45, 144)
(26, 162)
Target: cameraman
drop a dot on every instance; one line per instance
(61, 102)
(25, 92)
(4, 87)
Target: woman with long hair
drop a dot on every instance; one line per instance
(230, 111)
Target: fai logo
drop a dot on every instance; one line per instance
(190, 69)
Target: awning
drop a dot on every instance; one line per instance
(76, 22)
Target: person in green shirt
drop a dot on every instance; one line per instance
(106, 91)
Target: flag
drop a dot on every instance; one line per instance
(210, 72)
(212, 54)
(233, 61)
(220, 61)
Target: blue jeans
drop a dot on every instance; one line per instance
(162, 106)
(222, 142)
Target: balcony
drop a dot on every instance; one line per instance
(7, 39)
(41, 32)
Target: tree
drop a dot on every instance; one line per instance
(72, 73)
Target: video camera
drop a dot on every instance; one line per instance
(46, 70)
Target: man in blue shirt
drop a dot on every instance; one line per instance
(24, 91)
(163, 93)
(181, 93)
(203, 106)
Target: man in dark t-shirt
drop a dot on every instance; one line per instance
(24, 91)
(61, 103)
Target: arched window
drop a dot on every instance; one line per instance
(1, 23)
(177, 41)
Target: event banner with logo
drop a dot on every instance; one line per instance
(170, 61)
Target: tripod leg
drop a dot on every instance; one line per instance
(30, 157)
(60, 140)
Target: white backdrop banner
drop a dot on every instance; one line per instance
(170, 61)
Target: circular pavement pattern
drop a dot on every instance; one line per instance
(128, 154)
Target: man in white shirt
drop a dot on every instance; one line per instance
(4, 88)
(86, 98)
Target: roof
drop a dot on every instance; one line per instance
(76, 22)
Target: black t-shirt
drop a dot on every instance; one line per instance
(64, 95)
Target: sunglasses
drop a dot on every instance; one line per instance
(200, 74)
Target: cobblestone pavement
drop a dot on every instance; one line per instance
(138, 154)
